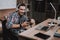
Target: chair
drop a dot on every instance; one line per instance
(5, 32)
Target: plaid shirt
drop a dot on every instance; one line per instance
(15, 18)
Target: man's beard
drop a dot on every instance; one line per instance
(21, 13)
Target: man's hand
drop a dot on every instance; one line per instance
(25, 24)
(32, 21)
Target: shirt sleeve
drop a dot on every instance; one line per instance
(10, 21)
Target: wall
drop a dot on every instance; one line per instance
(5, 12)
(7, 4)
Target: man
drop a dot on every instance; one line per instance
(17, 21)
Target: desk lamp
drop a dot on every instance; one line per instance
(53, 21)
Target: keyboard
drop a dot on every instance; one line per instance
(45, 28)
(41, 35)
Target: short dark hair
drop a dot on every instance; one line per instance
(22, 4)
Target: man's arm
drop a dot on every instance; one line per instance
(24, 24)
(15, 25)
(10, 22)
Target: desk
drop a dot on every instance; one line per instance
(32, 31)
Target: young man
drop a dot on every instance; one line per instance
(17, 21)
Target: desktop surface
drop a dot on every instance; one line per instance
(30, 33)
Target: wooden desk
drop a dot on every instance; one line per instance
(32, 31)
